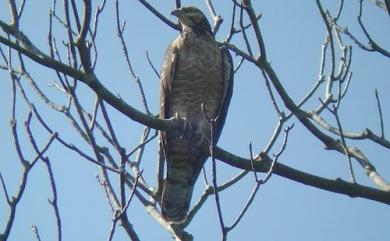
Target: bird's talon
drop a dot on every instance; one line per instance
(185, 126)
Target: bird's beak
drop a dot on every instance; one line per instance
(175, 12)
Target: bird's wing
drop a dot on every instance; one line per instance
(167, 74)
(227, 77)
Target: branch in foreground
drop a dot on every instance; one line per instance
(338, 185)
(159, 15)
(93, 82)
(365, 134)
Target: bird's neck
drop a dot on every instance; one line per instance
(200, 32)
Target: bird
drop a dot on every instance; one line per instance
(196, 86)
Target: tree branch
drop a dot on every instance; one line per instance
(159, 15)
(92, 81)
(263, 162)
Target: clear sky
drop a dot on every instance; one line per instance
(283, 210)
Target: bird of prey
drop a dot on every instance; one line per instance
(195, 72)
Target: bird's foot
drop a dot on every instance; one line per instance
(190, 131)
(186, 128)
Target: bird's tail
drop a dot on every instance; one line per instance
(177, 191)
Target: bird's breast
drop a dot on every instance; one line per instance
(197, 78)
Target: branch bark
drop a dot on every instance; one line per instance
(263, 162)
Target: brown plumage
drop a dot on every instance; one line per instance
(196, 71)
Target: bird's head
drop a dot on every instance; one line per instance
(192, 17)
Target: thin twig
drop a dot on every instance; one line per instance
(4, 189)
(380, 113)
(246, 207)
(244, 35)
(113, 225)
(328, 26)
(259, 182)
(271, 94)
(124, 205)
(126, 53)
(217, 19)
(70, 146)
(95, 112)
(144, 139)
(371, 41)
(53, 200)
(35, 230)
(104, 185)
(334, 111)
(275, 135)
(159, 15)
(135, 185)
(151, 64)
(278, 154)
(232, 30)
(142, 144)
(212, 122)
(365, 134)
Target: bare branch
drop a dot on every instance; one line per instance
(151, 65)
(365, 134)
(14, 13)
(159, 15)
(95, 112)
(53, 200)
(371, 42)
(92, 81)
(75, 60)
(271, 94)
(331, 77)
(217, 19)
(244, 35)
(247, 5)
(4, 188)
(86, 21)
(13, 201)
(246, 207)
(212, 149)
(338, 185)
(124, 48)
(122, 216)
(373, 46)
(142, 144)
(124, 209)
(380, 114)
(335, 113)
(35, 230)
(178, 4)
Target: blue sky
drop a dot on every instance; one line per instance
(283, 210)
